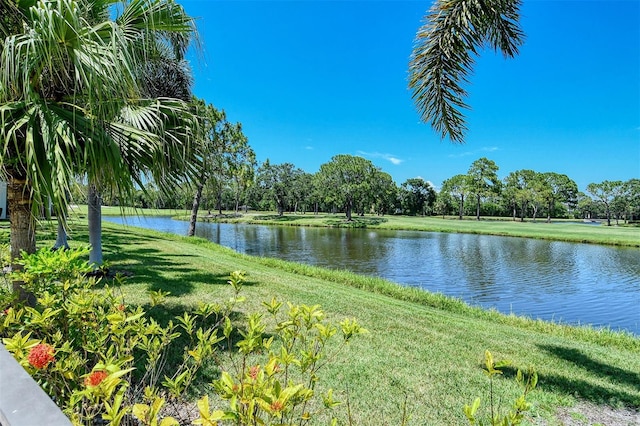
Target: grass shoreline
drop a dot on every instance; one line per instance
(423, 346)
(558, 230)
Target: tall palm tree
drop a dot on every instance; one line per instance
(71, 100)
(443, 56)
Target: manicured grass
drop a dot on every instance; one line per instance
(422, 347)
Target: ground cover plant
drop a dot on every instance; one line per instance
(424, 352)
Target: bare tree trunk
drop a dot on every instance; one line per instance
(23, 226)
(478, 209)
(94, 216)
(194, 211)
(347, 208)
(461, 207)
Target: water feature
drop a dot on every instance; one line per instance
(564, 282)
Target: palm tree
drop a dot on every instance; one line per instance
(71, 101)
(442, 57)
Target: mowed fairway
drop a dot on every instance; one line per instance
(424, 349)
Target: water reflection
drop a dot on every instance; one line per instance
(573, 283)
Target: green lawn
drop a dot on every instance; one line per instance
(423, 348)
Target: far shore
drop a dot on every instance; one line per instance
(569, 230)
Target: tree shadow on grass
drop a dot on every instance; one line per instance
(611, 393)
(158, 269)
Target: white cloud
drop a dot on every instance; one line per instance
(389, 157)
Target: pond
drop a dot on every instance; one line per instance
(555, 281)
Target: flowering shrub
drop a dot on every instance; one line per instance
(95, 378)
(41, 355)
(98, 357)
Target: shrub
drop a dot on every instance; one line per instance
(98, 357)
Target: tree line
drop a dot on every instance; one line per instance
(354, 185)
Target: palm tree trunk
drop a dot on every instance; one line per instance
(94, 217)
(194, 211)
(61, 238)
(22, 224)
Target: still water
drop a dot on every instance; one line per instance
(562, 282)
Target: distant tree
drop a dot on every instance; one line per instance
(242, 166)
(417, 196)
(586, 207)
(444, 203)
(510, 192)
(235, 165)
(524, 189)
(632, 193)
(302, 191)
(276, 182)
(605, 192)
(347, 180)
(385, 192)
(443, 56)
(457, 187)
(482, 180)
(558, 188)
(625, 200)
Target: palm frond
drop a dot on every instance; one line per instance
(443, 56)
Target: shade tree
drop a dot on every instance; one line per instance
(606, 192)
(347, 181)
(482, 181)
(558, 188)
(274, 184)
(457, 187)
(417, 196)
(385, 193)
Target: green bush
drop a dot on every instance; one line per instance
(98, 357)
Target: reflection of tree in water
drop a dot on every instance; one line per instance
(357, 250)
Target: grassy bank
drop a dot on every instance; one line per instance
(422, 348)
(558, 230)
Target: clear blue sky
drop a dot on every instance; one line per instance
(312, 79)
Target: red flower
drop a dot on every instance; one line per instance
(277, 406)
(41, 355)
(121, 307)
(95, 378)
(253, 372)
